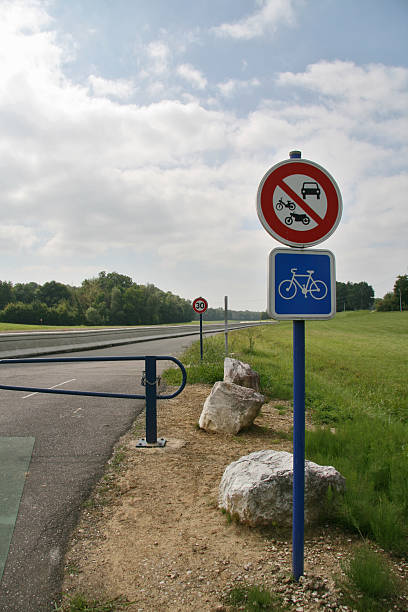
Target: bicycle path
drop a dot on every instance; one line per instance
(15, 457)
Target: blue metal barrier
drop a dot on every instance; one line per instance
(150, 380)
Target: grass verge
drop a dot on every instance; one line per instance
(251, 598)
(369, 583)
(357, 394)
(372, 455)
(80, 603)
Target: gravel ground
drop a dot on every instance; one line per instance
(152, 532)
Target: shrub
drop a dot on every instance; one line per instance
(93, 317)
(252, 598)
(369, 581)
(79, 603)
(208, 370)
(18, 312)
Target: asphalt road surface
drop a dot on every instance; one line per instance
(73, 439)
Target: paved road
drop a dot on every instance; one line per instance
(35, 344)
(74, 437)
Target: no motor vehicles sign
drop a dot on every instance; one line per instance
(299, 203)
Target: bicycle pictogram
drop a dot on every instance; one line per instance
(288, 288)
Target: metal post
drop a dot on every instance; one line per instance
(298, 447)
(151, 399)
(201, 336)
(226, 324)
(298, 523)
(295, 154)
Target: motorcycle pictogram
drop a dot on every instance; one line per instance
(299, 217)
(288, 204)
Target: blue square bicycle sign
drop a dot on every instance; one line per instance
(302, 284)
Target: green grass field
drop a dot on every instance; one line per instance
(357, 394)
(355, 363)
(20, 327)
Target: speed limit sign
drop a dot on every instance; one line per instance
(200, 305)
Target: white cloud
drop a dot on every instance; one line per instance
(362, 88)
(161, 76)
(25, 48)
(24, 15)
(267, 18)
(16, 238)
(117, 88)
(192, 75)
(232, 86)
(158, 54)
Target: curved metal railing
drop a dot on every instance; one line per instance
(150, 381)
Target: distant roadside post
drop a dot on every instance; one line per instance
(226, 324)
(200, 305)
(300, 205)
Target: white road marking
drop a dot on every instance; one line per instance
(59, 385)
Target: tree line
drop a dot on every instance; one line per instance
(396, 299)
(360, 296)
(115, 299)
(108, 299)
(218, 314)
(354, 296)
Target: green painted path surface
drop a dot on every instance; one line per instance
(15, 456)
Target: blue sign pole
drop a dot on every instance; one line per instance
(298, 448)
(302, 284)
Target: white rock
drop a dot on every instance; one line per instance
(240, 373)
(229, 408)
(257, 489)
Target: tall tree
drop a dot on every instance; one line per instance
(26, 292)
(107, 281)
(401, 291)
(388, 302)
(6, 293)
(117, 316)
(354, 296)
(52, 293)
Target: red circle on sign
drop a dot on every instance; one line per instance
(270, 220)
(200, 305)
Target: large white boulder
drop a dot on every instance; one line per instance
(257, 489)
(240, 373)
(230, 408)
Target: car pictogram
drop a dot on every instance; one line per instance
(310, 188)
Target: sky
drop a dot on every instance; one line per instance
(134, 135)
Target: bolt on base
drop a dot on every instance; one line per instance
(143, 443)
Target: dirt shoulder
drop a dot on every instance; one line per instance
(152, 532)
